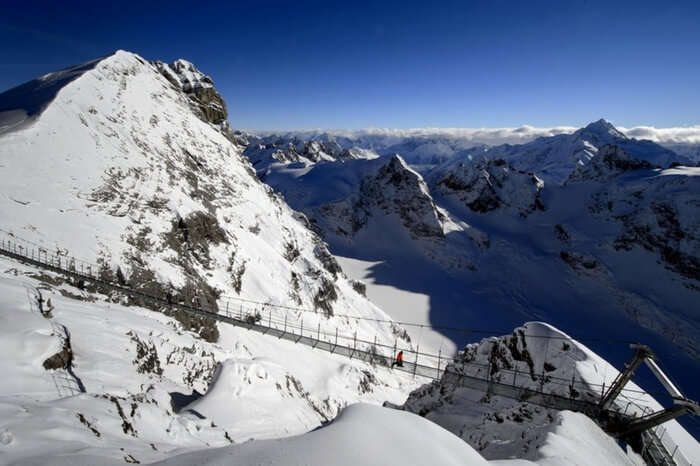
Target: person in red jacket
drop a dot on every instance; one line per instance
(399, 360)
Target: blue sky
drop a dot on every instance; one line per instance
(289, 65)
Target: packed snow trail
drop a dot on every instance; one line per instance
(373, 353)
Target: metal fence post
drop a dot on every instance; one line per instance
(354, 344)
(415, 363)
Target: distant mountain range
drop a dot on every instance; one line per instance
(552, 158)
(562, 228)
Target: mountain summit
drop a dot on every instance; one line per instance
(603, 129)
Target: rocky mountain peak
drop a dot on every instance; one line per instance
(601, 130)
(610, 161)
(199, 88)
(397, 188)
(490, 184)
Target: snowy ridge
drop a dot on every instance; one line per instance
(555, 158)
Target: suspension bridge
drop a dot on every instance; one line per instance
(615, 408)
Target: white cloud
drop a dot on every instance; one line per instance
(677, 135)
(495, 136)
(490, 136)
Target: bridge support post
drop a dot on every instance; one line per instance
(653, 420)
(642, 352)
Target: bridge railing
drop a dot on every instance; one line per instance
(657, 446)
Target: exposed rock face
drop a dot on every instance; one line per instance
(62, 359)
(500, 427)
(397, 188)
(657, 213)
(609, 162)
(263, 151)
(662, 229)
(490, 185)
(393, 189)
(198, 87)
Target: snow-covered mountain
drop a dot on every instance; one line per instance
(144, 178)
(131, 165)
(264, 151)
(554, 158)
(488, 185)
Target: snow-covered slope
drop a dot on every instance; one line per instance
(128, 383)
(361, 435)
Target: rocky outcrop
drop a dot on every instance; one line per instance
(609, 162)
(662, 229)
(198, 87)
(490, 185)
(263, 151)
(534, 356)
(393, 189)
